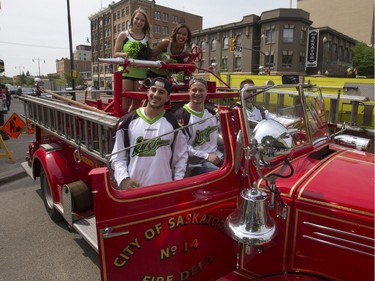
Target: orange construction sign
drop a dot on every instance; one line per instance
(14, 126)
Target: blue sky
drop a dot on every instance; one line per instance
(38, 32)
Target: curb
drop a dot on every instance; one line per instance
(14, 175)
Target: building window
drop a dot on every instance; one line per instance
(157, 15)
(238, 40)
(175, 19)
(157, 28)
(165, 30)
(123, 26)
(226, 43)
(288, 34)
(213, 45)
(123, 13)
(165, 17)
(127, 11)
(287, 59)
(270, 36)
(203, 46)
(269, 59)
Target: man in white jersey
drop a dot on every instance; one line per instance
(254, 112)
(158, 152)
(202, 135)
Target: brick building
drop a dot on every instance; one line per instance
(275, 41)
(109, 22)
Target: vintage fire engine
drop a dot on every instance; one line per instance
(290, 202)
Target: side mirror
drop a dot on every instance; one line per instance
(273, 141)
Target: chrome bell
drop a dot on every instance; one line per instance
(251, 223)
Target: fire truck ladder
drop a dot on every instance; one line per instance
(90, 132)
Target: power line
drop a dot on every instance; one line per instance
(31, 45)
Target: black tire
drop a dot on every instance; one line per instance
(47, 197)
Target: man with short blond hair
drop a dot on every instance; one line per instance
(202, 131)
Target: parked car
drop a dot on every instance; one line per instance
(12, 89)
(28, 91)
(81, 87)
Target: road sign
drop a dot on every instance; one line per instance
(14, 126)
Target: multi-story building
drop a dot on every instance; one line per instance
(109, 22)
(82, 52)
(83, 67)
(275, 42)
(353, 18)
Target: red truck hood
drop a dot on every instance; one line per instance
(343, 180)
(349, 176)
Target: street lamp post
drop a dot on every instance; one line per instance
(39, 59)
(19, 68)
(323, 60)
(270, 50)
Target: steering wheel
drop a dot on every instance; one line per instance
(196, 55)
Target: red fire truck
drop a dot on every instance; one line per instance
(290, 202)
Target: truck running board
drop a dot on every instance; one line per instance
(87, 228)
(88, 131)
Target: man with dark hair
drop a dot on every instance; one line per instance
(149, 149)
(254, 112)
(203, 129)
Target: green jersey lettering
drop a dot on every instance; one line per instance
(203, 136)
(148, 147)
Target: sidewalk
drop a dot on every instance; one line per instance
(18, 147)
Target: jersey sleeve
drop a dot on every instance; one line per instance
(180, 156)
(118, 159)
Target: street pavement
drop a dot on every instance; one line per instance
(18, 147)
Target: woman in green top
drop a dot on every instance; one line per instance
(133, 43)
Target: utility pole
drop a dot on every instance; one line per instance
(71, 49)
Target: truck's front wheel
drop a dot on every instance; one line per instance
(47, 197)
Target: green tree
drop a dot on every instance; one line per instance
(363, 59)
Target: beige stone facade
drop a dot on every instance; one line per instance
(353, 18)
(276, 43)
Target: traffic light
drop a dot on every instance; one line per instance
(232, 44)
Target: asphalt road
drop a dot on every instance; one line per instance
(32, 246)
